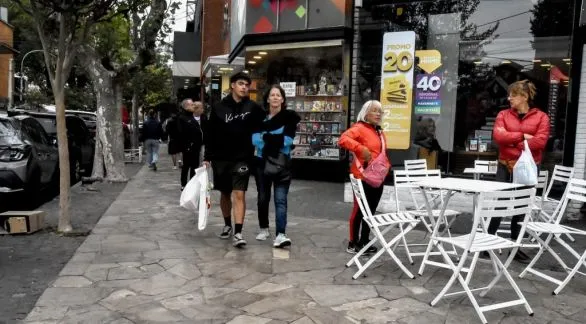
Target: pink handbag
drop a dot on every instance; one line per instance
(376, 171)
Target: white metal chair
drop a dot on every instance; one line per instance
(482, 167)
(415, 165)
(490, 204)
(561, 174)
(575, 191)
(380, 224)
(404, 179)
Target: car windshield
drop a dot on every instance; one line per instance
(8, 134)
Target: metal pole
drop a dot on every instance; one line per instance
(10, 79)
(21, 65)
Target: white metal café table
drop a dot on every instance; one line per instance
(452, 186)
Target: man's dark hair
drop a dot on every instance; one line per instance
(240, 76)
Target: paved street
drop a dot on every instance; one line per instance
(146, 262)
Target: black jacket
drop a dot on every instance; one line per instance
(151, 129)
(276, 134)
(229, 135)
(191, 133)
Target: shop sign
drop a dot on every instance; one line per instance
(428, 84)
(397, 87)
(289, 88)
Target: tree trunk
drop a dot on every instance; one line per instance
(64, 169)
(98, 169)
(109, 120)
(134, 134)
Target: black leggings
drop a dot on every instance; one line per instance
(190, 163)
(373, 196)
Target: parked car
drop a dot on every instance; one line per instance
(81, 142)
(28, 157)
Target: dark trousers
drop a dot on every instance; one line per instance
(503, 175)
(373, 196)
(281, 191)
(190, 163)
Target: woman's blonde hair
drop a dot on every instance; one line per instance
(523, 88)
(366, 107)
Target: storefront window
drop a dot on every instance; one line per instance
(485, 45)
(316, 85)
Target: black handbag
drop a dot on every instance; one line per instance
(278, 168)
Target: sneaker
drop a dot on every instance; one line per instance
(182, 189)
(281, 241)
(226, 233)
(352, 248)
(180, 163)
(174, 167)
(263, 235)
(238, 241)
(521, 257)
(371, 250)
(154, 167)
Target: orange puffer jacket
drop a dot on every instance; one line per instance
(509, 129)
(357, 137)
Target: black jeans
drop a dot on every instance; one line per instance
(503, 175)
(373, 196)
(190, 163)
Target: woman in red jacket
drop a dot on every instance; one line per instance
(512, 127)
(364, 140)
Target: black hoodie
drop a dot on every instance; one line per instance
(230, 126)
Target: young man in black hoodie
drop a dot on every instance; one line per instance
(229, 150)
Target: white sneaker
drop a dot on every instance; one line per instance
(180, 163)
(238, 240)
(174, 167)
(263, 235)
(281, 241)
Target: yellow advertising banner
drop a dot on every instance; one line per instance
(396, 94)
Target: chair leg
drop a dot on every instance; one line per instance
(571, 274)
(454, 276)
(512, 282)
(543, 246)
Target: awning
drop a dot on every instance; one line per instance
(186, 69)
(7, 49)
(220, 61)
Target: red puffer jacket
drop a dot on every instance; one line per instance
(509, 129)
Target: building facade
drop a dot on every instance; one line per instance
(6, 56)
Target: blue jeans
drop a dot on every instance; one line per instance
(281, 190)
(152, 147)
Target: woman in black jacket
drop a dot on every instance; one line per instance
(191, 128)
(273, 141)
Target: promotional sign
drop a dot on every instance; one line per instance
(289, 88)
(397, 87)
(428, 84)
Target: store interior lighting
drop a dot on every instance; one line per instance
(257, 57)
(477, 62)
(262, 53)
(506, 62)
(251, 62)
(545, 65)
(567, 60)
(536, 61)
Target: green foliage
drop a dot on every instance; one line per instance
(157, 84)
(550, 18)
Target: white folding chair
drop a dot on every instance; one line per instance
(560, 174)
(415, 165)
(404, 179)
(491, 204)
(575, 191)
(380, 224)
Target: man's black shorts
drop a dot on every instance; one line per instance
(229, 175)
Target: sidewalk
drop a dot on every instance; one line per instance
(146, 262)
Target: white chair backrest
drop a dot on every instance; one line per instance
(505, 204)
(484, 165)
(560, 173)
(358, 191)
(406, 178)
(420, 164)
(542, 180)
(576, 191)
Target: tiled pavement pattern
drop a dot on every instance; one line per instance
(146, 262)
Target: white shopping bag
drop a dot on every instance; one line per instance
(196, 196)
(525, 170)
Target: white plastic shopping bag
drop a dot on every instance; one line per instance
(196, 195)
(525, 170)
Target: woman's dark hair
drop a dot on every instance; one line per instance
(266, 96)
(151, 113)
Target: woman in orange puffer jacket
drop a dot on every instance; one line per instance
(512, 127)
(364, 140)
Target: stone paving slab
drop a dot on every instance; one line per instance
(146, 262)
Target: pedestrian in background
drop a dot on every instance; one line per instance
(171, 127)
(152, 132)
(229, 150)
(364, 140)
(191, 132)
(512, 128)
(273, 141)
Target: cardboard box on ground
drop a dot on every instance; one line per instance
(21, 222)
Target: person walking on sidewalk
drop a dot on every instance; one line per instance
(273, 142)
(511, 128)
(174, 146)
(364, 140)
(191, 132)
(229, 150)
(152, 132)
